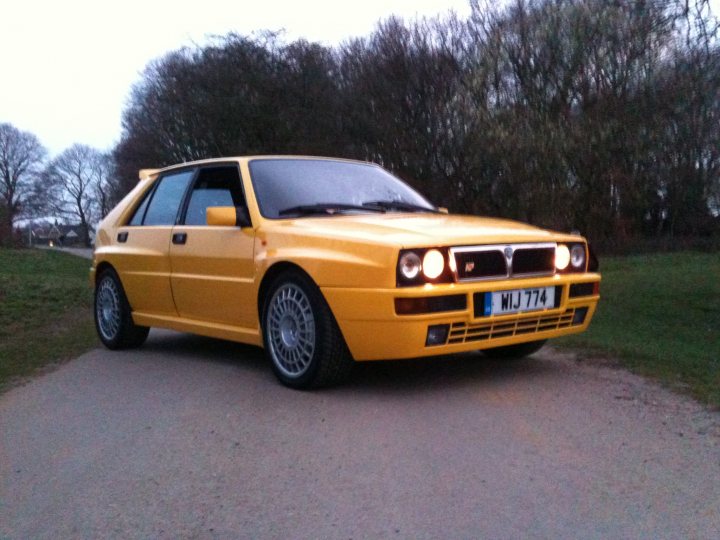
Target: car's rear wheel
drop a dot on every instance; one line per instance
(301, 337)
(515, 351)
(113, 317)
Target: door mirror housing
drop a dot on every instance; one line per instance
(228, 216)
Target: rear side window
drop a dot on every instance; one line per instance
(140, 212)
(216, 186)
(165, 202)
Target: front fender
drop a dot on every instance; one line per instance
(332, 265)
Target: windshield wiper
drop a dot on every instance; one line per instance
(400, 205)
(325, 208)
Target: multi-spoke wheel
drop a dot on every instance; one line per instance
(107, 309)
(301, 337)
(291, 329)
(113, 317)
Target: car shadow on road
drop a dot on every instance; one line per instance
(443, 372)
(420, 374)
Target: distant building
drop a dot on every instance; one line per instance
(44, 234)
(48, 234)
(71, 235)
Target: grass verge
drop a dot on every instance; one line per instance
(660, 316)
(45, 311)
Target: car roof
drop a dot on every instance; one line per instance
(147, 173)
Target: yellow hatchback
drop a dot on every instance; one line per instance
(324, 262)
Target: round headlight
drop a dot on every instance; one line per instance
(410, 265)
(433, 264)
(562, 257)
(577, 256)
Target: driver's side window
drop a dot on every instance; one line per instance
(214, 186)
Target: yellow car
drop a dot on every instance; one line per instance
(324, 262)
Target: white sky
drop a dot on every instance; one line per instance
(66, 66)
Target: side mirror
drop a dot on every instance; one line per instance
(228, 216)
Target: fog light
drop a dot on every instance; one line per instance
(579, 317)
(437, 334)
(581, 289)
(431, 304)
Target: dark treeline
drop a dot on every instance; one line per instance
(597, 115)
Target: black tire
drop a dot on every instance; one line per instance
(113, 316)
(302, 340)
(520, 350)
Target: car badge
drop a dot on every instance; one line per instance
(508, 253)
(469, 266)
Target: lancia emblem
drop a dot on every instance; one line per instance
(508, 253)
(469, 266)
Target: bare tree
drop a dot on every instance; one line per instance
(21, 156)
(78, 187)
(106, 187)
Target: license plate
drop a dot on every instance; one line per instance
(515, 301)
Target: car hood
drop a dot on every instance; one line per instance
(416, 230)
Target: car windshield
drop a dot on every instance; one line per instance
(301, 187)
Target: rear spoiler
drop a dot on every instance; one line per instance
(144, 174)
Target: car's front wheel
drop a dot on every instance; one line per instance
(113, 317)
(515, 351)
(300, 334)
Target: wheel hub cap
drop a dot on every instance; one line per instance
(289, 332)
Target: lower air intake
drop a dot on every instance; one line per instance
(463, 333)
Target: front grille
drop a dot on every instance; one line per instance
(533, 261)
(462, 333)
(502, 261)
(480, 264)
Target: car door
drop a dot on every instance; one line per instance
(144, 266)
(212, 266)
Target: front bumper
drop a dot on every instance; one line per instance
(374, 331)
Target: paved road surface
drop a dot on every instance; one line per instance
(192, 438)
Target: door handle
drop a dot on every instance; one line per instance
(179, 238)
(122, 237)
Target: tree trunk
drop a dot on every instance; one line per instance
(6, 227)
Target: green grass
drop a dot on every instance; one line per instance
(660, 316)
(45, 310)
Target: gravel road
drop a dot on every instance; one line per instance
(192, 438)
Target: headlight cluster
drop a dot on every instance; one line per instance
(570, 257)
(418, 266)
